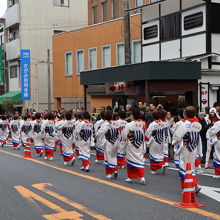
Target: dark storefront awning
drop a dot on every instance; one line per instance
(153, 70)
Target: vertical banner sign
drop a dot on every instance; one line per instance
(1, 69)
(25, 75)
(204, 96)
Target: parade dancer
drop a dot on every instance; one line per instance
(4, 131)
(173, 130)
(15, 132)
(155, 136)
(59, 133)
(121, 123)
(79, 119)
(215, 133)
(84, 132)
(37, 135)
(99, 141)
(110, 135)
(25, 136)
(67, 127)
(188, 138)
(167, 137)
(211, 119)
(135, 147)
(49, 136)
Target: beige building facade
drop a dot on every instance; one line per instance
(31, 25)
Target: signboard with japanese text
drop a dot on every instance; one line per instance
(204, 96)
(25, 75)
(1, 68)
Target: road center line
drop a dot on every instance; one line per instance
(118, 186)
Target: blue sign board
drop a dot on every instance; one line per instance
(25, 75)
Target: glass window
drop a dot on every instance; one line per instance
(139, 3)
(69, 64)
(120, 54)
(106, 56)
(137, 51)
(94, 14)
(170, 27)
(92, 59)
(115, 9)
(80, 61)
(193, 21)
(104, 11)
(61, 3)
(150, 32)
(13, 72)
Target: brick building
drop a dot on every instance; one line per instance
(104, 10)
(94, 47)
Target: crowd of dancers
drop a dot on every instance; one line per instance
(119, 142)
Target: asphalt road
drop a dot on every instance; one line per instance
(38, 189)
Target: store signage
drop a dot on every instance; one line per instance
(25, 75)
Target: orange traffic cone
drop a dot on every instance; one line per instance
(27, 151)
(189, 195)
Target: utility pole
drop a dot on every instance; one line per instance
(127, 32)
(48, 72)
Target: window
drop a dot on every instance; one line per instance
(136, 52)
(115, 9)
(12, 2)
(150, 32)
(94, 15)
(106, 56)
(120, 54)
(170, 27)
(61, 3)
(139, 3)
(193, 21)
(13, 72)
(92, 58)
(80, 61)
(69, 64)
(104, 11)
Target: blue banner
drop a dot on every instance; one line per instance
(25, 75)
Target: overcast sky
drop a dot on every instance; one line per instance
(3, 6)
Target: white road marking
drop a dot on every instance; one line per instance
(211, 192)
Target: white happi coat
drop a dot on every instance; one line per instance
(135, 146)
(99, 141)
(109, 134)
(122, 141)
(15, 130)
(188, 142)
(25, 131)
(4, 130)
(38, 133)
(32, 126)
(66, 132)
(173, 131)
(84, 132)
(58, 125)
(167, 138)
(155, 135)
(49, 134)
(214, 132)
(76, 136)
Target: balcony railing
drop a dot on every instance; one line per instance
(12, 15)
(13, 49)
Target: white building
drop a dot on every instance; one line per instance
(185, 30)
(31, 25)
